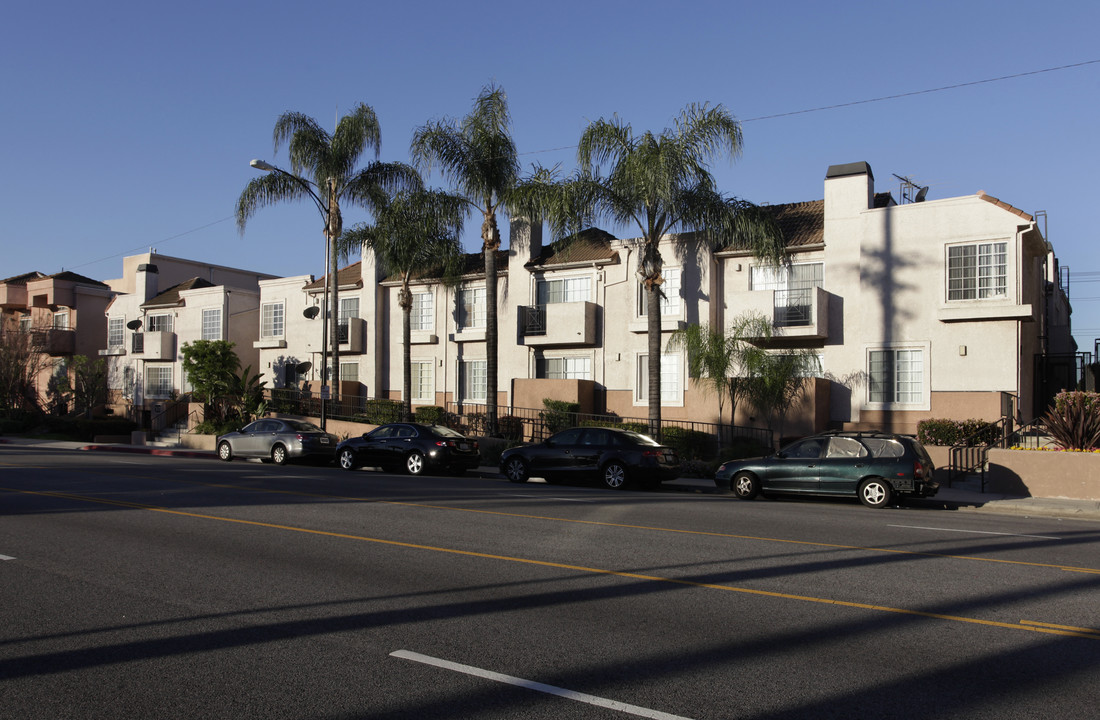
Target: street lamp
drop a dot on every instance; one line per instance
(324, 210)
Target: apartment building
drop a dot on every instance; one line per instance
(64, 315)
(161, 303)
(934, 308)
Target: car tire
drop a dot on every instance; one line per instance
(347, 459)
(745, 486)
(875, 493)
(614, 476)
(516, 470)
(225, 450)
(278, 455)
(414, 463)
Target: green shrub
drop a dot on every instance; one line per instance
(430, 415)
(951, 432)
(510, 427)
(558, 414)
(690, 444)
(379, 411)
(213, 427)
(1074, 421)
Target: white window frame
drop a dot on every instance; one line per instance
(162, 374)
(211, 324)
(569, 367)
(472, 308)
(550, 291)
(422, 380)
(981, 274)
(672, 369)
(272, 319)
(158, 322)
(422, 316)
(672, 304)
(116, 332)
(61, 319)
(346, 376)
(473, 380)
(909, 377)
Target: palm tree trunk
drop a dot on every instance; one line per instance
(653, 308)
(491, 237)
(405, 302)
(334, 322)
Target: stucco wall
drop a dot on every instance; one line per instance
(1032, 473)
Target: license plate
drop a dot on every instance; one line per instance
(464, 446)
(324, 441)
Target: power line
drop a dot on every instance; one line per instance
(164, 240)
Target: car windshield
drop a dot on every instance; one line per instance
(302, 426)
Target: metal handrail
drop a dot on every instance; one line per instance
(969, 457)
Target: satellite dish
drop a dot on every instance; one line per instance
(134, 324)
(303, 367)
(311, 312)
(921, 194)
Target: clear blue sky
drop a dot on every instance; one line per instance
(130, 125)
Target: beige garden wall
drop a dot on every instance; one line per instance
(1031, 473)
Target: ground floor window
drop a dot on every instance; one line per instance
(473, 380)
(158, 380)
(349, 372)
(564, 368)
(896, 375)
(671, 388)
(423, 389)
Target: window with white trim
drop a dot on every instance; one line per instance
(896, 376)
(61, 319)
(421, 379)
(422, 316)
(671, 391)
(158, 380)
(563, 290)
(271, 320)
(161, 322)
(563, 368)
(473, 380)
(25, 323)
(471, 308)
(977, 271)
(671, 304)
(116, 334)
(212, 324)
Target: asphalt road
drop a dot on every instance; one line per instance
(153, 587)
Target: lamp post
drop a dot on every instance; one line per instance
(324, 209)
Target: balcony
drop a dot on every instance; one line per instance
(154, 345)
(799, 313)
(55, 341)
(113, 350)
(558, 324)
(351, 334)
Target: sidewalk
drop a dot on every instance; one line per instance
(964, 496)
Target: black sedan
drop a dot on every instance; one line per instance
(278, 440)
(611, 455)
(415, 447)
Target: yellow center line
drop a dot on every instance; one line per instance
(1028, 627)
(1088, 631)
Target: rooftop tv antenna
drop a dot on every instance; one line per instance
(911, 191)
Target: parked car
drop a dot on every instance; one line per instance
(613, 456)
(876, 467)
(277, 439)
(416, 447)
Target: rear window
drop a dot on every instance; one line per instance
(302, 426)
(636, 438)
(845, 447)
(885, 447)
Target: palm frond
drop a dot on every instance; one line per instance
(268, 190)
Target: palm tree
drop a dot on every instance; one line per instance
(661, 184)
(479, 157)
(413, 233)
(715, 357)
(323, 169)
(775, 380)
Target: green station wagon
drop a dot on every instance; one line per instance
(876, 467)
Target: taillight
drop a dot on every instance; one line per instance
(918, 470)
(652, 453)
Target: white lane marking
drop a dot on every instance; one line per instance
(532, 685)
(975, 532)
(546, 497)
(6, 557)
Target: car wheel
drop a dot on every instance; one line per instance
(414, 463)
(225, 451)
(347, 459)
(614, 476)
(278, 455)
(516, 470)
(745, 485)
(875, 493)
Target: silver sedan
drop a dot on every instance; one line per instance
(278, 440)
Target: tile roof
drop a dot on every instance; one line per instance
(171, 296)
(1005, 206)
(350, 276)
(22, 279)
(802, 223)
(74, 277)
(588, 246)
